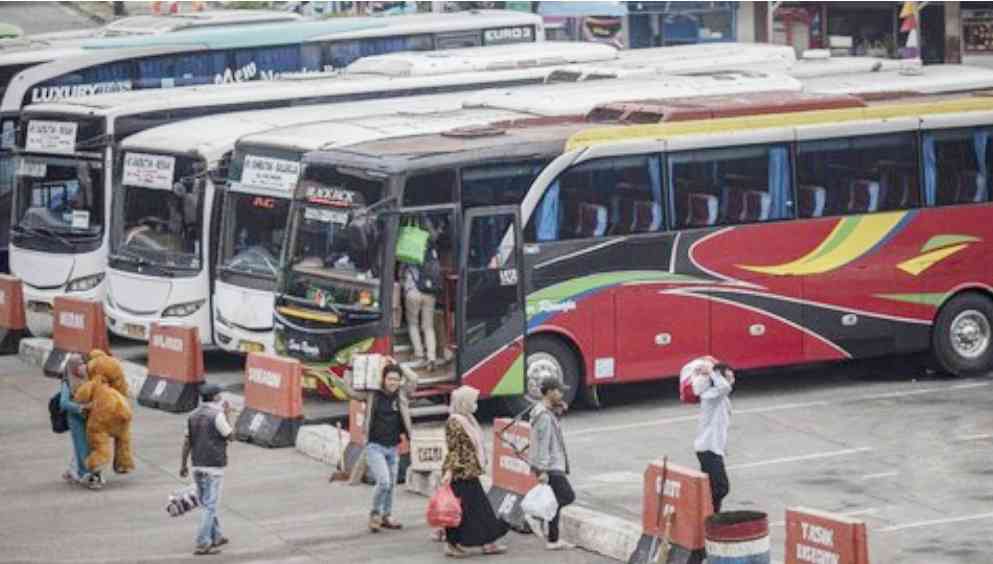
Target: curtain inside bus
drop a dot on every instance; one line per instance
(180, 70)
(268, 60)
(779, 182)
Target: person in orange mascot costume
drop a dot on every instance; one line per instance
(109, 416)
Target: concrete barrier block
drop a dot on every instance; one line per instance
(136, 375)
(35, 351)
(598, 532)
(320, 442)
(423, 483)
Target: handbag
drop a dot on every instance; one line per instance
(412, 244)
(444, 509)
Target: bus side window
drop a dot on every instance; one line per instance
(857, 175)
(956, 166)
(265, 62)
(609, 196)
(340, 54)
(731, 186)
(181, 70)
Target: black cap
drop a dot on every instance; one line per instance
(208, 390)
(552, 383)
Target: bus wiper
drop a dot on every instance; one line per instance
(42, 232)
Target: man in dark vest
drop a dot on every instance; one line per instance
(207, 434)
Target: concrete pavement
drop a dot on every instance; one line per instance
(277, 505)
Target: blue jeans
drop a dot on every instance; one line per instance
(209, 492)
(383, 463)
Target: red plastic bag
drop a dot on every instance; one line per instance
(444, 509)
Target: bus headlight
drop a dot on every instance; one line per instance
(183, 310)
(85, 283)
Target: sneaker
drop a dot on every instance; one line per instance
(70, 476)
(559, 545)
(388, 523)
(375, 524)
(94, 482)
(204, 550)
(221, 542)
(536, 525)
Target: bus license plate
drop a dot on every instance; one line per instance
(135, 331)
(250, 347)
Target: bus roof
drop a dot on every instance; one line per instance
(353, 122)
(164, 23)
(702, 84)
(623, 134)
(401, 154)
(332, 28)
(311, 91)
(475, 59)
(570, 99)
(656, 110)
(932, 79)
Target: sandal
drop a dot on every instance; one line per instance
(453, 551)
(494, 549)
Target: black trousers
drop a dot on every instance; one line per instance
(565, 496)
(712, 464)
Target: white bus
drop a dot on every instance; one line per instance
(70, 150)
(231, 54)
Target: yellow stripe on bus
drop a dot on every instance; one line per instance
(622, 133)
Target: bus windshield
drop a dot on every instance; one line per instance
(253, 234)
(333, 249)
(160, 218)
(60, 197)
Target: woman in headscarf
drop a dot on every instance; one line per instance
(74, 375)
(463, 466)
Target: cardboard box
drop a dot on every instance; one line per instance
(367, 371)
(428, 449)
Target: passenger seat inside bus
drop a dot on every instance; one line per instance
(592, 220)
(971, 188)
(756, 206)
(701, 209)
(647, 217)
(811, 200)
(864, 196)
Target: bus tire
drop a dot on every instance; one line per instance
(962, 340)
(546, 356)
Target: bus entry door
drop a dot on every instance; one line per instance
(491, 320)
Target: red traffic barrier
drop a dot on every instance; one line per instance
(818, 536)
(685, 505)
(512, 476)
(79, 327)
(12, 322)
(273, 410)
(175, 368)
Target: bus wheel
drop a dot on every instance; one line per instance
(547, 356)
(963, 335)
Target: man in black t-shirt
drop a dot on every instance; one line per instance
(387, 418)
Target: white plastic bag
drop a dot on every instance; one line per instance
(182, 501)
(540, 502)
